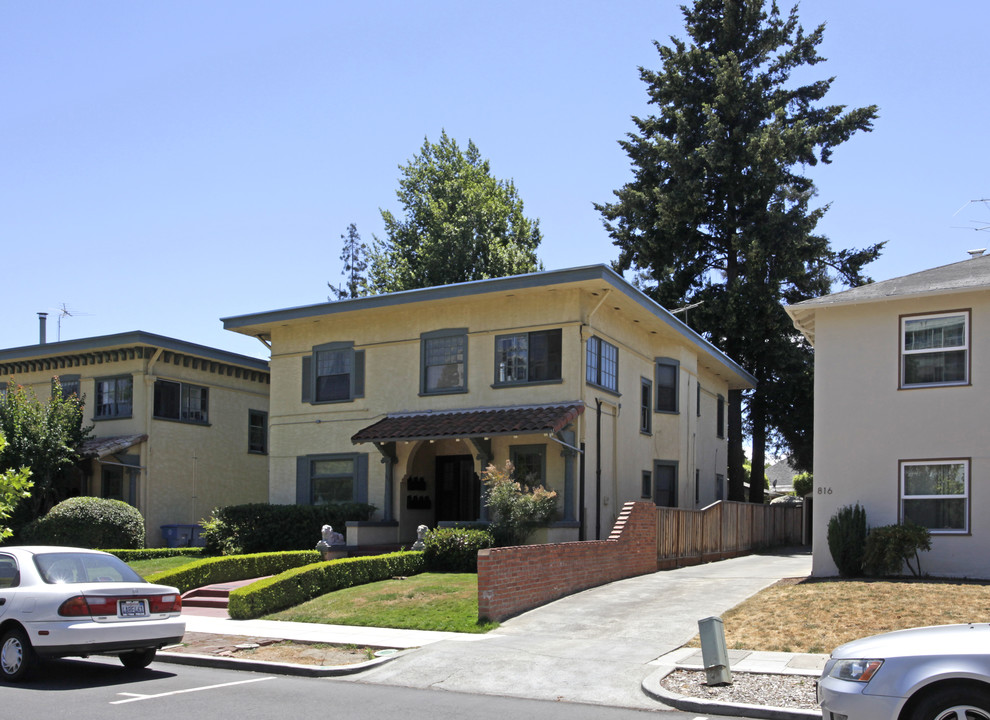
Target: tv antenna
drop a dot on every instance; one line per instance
(63, 312)
(976, 224)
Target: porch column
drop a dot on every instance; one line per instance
(483, 454)
(389, 459)
(570, 457)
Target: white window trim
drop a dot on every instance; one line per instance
(904, 353)
(965, 463)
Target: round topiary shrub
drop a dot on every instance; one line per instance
(455, 549)
(89, 522)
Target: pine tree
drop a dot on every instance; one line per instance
(718, 211)
(354, 256)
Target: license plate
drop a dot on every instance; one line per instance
(132, 608)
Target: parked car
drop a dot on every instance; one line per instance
(63, 601)
(932, 673)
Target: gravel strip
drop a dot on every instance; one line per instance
(783, 691)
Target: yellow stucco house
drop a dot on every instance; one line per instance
(585, 384)
(179, 428)
(901, 411)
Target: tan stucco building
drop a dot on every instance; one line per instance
(402, 400)
(902, 412)
(179, 428)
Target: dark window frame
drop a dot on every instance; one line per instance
(310, 378)
(184, 411)
(258, 432)
(426, 352)
(115, 407)
(602, 358)
(668, 394)
(646, 406)
(543, 366)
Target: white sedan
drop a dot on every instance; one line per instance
(62, 601)
(933, 673)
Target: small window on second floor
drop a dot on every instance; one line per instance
(333, 373)
(68, 384)
(528, 357)
(935, 350)
(603, 364)
(114, 397)
(257, 432)
(444, 362)
(646, 406)
(181, 401)
(667, 373)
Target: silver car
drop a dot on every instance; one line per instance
(62, 601)
(932, 673)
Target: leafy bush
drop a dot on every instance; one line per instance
(88, 522)
(847, 539)
(516, 510)
(804, 483)
(305, 583)
(260, 527)
(890, 547)
(237, 567)
(154, 553)
(455, 549)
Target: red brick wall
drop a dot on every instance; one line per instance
(512, 580)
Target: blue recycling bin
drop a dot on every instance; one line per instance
(178, 535)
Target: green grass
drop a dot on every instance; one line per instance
(144, 568)
(430, 601)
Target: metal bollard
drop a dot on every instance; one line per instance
(713, 652)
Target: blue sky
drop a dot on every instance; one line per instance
(166, 164)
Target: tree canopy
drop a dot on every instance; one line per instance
(354, 256)
(15, 485)
(460, 224)
(719, 211)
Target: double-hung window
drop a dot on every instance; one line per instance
(257, 432)
(333, 373)
(603, 364)
(443, 362)
(530, 462)
(324, 479)
(182, 401)
(935, 349)
(68, 385)
(667, 371)
(935, 494)
(114, 397)
(531, 357)
(646, 406)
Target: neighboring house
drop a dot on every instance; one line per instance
(585, 384)
(902, 411)
(780, 478)
(178, 428)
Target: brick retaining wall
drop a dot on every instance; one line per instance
(512, 580)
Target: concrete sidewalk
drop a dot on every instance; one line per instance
(600, 646)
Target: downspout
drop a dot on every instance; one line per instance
(598, 469)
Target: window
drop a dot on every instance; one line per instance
(720, 419)
(667, 380)
(528, 357)
(603, 364)
(935, 350)
(333, 373)
(257, 432)
(114, 397)
(647, 485)
(530, 462)
(323, 479)
(68, 384)
(719, 486)
(935, 494)
(646, 406)
(444, 361)
(181, 401)
(697, 402)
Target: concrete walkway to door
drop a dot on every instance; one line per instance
(596, 646)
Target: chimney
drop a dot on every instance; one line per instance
(978, 252)
(42, 330)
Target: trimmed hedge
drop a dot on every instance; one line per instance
(154, 553)
(260, 527)
(88, 522)
(455, 549)
(298, 585)
(232, 567)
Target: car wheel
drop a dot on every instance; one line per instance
(137, 659)
(17, 657)
(954, 703)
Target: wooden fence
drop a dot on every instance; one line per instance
(723, 530)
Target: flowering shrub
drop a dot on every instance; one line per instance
(516, 510)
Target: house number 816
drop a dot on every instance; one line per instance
(824, 491)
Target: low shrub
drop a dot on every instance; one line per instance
(234, 567)
(455, 549)
(154, 553)
(298, 585)
(88, 522)
(516, 509)
(890, 547)
(847, 539)
(260, 527)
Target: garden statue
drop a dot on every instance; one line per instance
(420, 538)
(331, 544)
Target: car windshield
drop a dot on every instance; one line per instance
(69, 567)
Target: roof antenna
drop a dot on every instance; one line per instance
(63, 311)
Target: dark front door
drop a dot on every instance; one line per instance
(458, 490)
(665, 483)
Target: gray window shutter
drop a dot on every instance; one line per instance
(361, 478)
(358, 373)
(302, 481)
(307, 379)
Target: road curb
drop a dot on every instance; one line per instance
(264, 666)
(653, 687)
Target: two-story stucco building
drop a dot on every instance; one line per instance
(901, 411)
(179, 428)
(585, 384)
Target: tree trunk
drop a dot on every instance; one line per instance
(736, 456)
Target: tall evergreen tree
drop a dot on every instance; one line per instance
(460, 224)
(354, 257)
(718, 211)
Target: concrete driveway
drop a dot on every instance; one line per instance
(596, 646)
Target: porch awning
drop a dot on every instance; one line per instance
(101, 447)
(475, 422)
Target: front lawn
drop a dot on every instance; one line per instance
(429, 601)
(144, 568)
(817, 615)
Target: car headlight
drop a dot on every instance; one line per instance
(856, 670)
